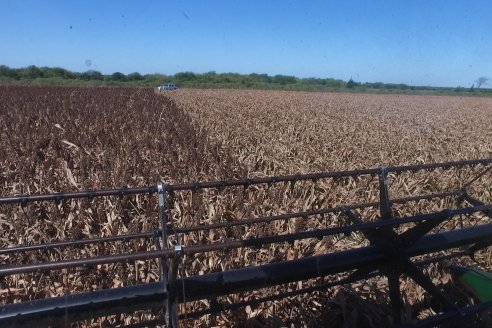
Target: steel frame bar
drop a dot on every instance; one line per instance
(344, 281)
(325, 175)
(24, 199)
(75, 243)
(289, 216)
(194, 249)
(246, 221)
(234, 306)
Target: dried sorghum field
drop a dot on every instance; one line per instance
(279, 132)
(274, 132)
(56, 139)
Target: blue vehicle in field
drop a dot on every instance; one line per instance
(170, 86)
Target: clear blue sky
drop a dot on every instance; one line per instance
(428, 42)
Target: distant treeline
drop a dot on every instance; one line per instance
(59, 76)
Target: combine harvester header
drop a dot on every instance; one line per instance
(389, 253)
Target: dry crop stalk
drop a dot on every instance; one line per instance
(91, 138)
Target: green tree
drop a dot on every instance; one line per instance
(284, 79)
(260, 78)
(92, 75)
(30, 72)
(351, 84)
(62, 73)
(135, 76)
(332, 83)
(118, 76)
(185, 76)
(8, 72)
(155, 79)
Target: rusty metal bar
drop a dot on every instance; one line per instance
(78, 194)
(233, 306)
(234, 281)
(269, 298)
(125, 238)
(83, 262)
(326, 285)
(324, 175)
(271, 180)
(243, 182)
(9, 270)
(75, 243)
(478, 176)
(444, 165)
(288, 216)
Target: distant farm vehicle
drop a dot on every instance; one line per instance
(170, 86)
